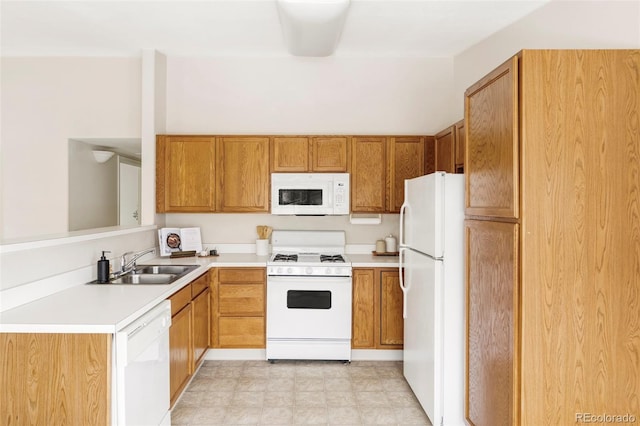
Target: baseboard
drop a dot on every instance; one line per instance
(260, 355)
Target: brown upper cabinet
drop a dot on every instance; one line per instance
(379, 166)
(460, 142)
(406, 161)
(448, 149)
(369, 174)
(231, 174)
(242, 174)
(492, 152)
(445, 150)
(185, 174)
(309, 154)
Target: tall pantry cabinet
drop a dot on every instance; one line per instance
(552, 224)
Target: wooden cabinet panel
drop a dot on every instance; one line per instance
(368, 174)
(238, 308)
(492, 150)
(201, 326)
(199, 285)
(460, 138)
(185, 174)
(492, 323)
(377, 321)
(290, 154)
(445, 150)
(429, 155)
(406, 161)
(363, 311)
(181, 353)
(242, 332)
(243, 174)
(329, 154)
(391, 321)
(241, 275)
(55, 379)
(241, 299)
(180, 299)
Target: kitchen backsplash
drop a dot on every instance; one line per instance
(230, 228)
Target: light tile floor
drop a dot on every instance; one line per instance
(298, 393)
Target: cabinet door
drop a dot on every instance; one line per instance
(290, 154)
(391, 321)
(185, 174)
(492, 147)
(201, 323)
(445, 150)
(368, 174)
(363, 311)
(243, 174)
(406, 161)
(460, 138)
(329, 154)
(429, 155)
(492, 391)
(180, 356)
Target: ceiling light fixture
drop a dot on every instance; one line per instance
(102, 156)
(312, 27)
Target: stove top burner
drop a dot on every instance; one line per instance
(279, 257)
(331, 258)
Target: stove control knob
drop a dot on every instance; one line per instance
(289, 270)
(328, 271)
(279, 270)
(308, 271)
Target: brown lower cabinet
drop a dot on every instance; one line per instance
(238, 308)
(189, 332)
(377, 309)
(52, 378)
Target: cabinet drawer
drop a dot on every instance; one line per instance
(239, 332)
(199, 285)
(243, 299)
(180, 299)
(241, 275)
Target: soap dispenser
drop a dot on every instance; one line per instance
(103, 269)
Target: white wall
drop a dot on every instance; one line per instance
(560, 24)
(241, 228)
(292, 95)
(45, 102)
(93, 189)
(289, 95)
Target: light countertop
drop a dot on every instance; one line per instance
(109, 308)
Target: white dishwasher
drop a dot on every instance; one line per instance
(142, 370)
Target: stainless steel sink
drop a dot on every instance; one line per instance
(152, 274)
(164, 269)
(145, 279)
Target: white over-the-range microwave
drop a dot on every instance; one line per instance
(310, 193)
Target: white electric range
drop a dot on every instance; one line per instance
(309, 296)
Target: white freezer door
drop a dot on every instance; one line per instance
(423, 331)
(422, 214)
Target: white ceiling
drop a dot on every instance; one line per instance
(424, 28)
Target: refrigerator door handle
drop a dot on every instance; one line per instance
(402, 282)
(402, 209)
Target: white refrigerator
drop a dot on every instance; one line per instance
(432, 282)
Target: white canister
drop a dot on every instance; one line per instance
(390, 241)
(381, 246)
(262, 247)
